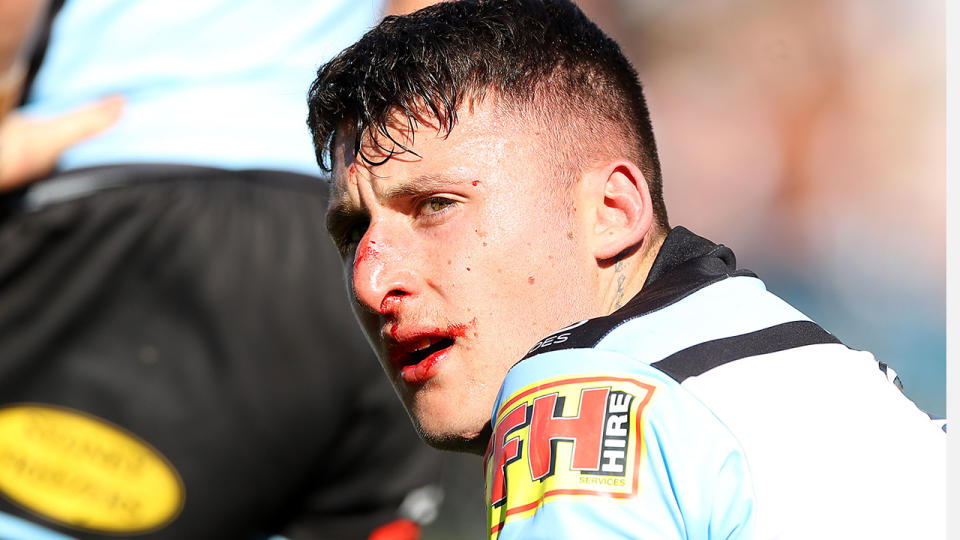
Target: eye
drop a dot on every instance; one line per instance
(435, 205)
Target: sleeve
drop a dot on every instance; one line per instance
(616, 451)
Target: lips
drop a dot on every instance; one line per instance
(417, 355)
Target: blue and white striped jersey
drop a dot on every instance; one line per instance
(707, 407)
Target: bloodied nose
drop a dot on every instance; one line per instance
(380, 279)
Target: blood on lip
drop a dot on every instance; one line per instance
(421, 368)
(418, 372)
(457, 330)
(460, 329)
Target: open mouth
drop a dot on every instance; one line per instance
(419, 363)
(429, 347)
(417, 352)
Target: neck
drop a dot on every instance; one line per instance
(622, 280)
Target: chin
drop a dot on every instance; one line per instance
(472, 441)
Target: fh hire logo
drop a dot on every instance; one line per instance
(569, 437)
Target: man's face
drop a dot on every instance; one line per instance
(460, 256)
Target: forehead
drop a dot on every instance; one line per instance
(481, 137)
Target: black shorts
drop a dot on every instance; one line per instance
(191, 326)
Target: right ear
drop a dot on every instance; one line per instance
(621, 210)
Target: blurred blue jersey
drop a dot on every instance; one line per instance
(217, 83)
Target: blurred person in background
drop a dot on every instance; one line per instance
(496, 179)
(176, 356)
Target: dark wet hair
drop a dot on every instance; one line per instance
(540, 58)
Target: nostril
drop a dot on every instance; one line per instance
(391, 301)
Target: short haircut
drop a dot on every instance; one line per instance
(542, 59)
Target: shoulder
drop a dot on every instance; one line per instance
(693, 330)
(610, 437)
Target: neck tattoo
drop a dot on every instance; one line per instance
(621, 277)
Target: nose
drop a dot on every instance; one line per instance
(381, 277)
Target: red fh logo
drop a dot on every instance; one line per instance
(598, 432)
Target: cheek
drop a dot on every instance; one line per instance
(543, 286)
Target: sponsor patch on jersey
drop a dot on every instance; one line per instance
(565, 437)
(84, 472)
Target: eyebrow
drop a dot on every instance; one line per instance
(418, 186)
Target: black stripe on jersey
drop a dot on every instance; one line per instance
(705, 356)
(685, 264)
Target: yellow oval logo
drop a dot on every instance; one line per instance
(84, 472)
